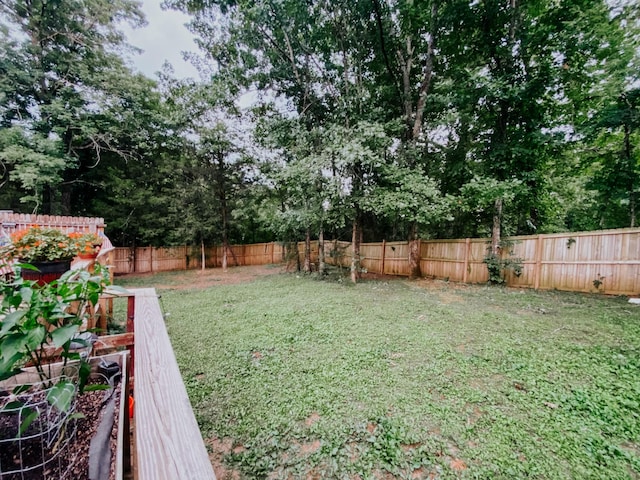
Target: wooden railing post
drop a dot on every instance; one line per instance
(131, 313)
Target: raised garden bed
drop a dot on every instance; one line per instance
(92, 434)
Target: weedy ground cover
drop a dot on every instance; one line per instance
(291, 377)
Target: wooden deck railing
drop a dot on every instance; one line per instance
(168, 442)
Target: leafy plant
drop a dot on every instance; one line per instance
(86, 243)
(497, 265)
(36, 244)
(38, 321)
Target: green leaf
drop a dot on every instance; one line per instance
(20, 389)
(12, 407)
(62, 335)
(61, 395)
(12, 344)
(11, 320)
(27, 266)
(71, 355)
(31, 415)
(84, 372)
(116, 289)
(35, 337)
(7, 366)
(96, 387)
(26, 294)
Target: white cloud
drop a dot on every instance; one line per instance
(163, 39)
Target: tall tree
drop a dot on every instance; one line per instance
(55, 74)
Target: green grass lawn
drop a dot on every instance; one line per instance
(292, 377)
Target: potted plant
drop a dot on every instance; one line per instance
(88, 244)
(44, 254)
(37, 324)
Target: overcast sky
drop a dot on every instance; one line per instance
(164, 38)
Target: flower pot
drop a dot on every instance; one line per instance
(47, 271)
(88, 256)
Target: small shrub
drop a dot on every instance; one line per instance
(498, 266)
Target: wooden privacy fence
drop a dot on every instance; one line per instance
(605, 261)
(12, 222)
(161, 259)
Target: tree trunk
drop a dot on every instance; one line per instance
(224, 256)
(321, 264)
(414, 253)
(427, 75)
(203, 258)
(296, 252)
(355, 257)
(306, 267)
(495, 231)
(631, 187)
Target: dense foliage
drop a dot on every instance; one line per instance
(373, 119)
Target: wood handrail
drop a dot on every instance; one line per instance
(169, 444)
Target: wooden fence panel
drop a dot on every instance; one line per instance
(278, 253)
(606, 261)
(143, 259)
(477, 270)
(371, 257)
(193, 259)
(338, 253)
(396, 258)
(258, 254)
(123, 261)
(212, 257)
(525, 249)
(12, 222)
(165, 259)
(443, 259)
(313, 254)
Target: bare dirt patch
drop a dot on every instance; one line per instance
(312, 419)
(434, 284)
(310, 447)
(210, 277)
(219, 449)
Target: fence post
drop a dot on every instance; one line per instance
(420, 257)
(465, 272)
(538, 265)
(384, 249)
